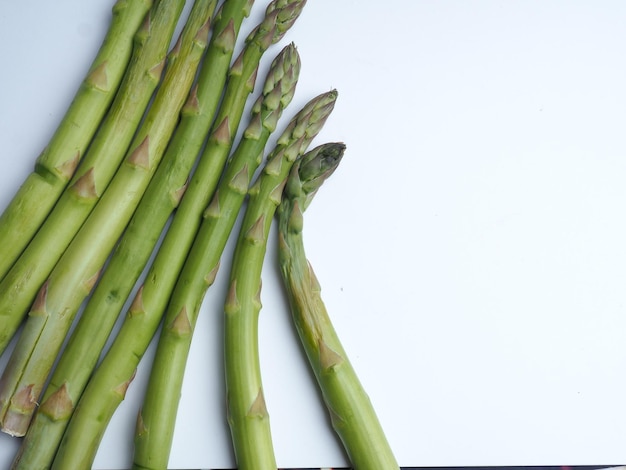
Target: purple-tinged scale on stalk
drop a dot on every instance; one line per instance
(240, 182)
(176, 195)
(140, 426)
(227, 38)
(213, 210)
(210, 277)
(296, 219)
(143, 31)
(90, 282)
(122, 388)
(236, 69)
(276, 195)
(192, 105)
(270, 120)
(175, 52)
(202, 36)
(336, 420)
(255, 127)
(68, 167)
(232, 305)
(256, 233)
(314, 283)
(222, 134)
(98, 78)
(59, 405)
(85, 186)
(156, 71)
(252, 79)
(258, 408)
(329, 359)
(256, 300)
(140, 157)
(274, 165)
(181, 325)
(137, 308)
(39, 307)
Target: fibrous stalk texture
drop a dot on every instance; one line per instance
(351, 412)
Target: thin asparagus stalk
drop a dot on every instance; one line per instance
(351, 412)
(19, 287)
(155, 428)
(118, 366)
(55, 166)
(131, 255)
(247, 414)
(78, 269)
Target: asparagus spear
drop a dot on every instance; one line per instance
(55, 166)
(131, 255)
(78, 269)
(155, 428)
(150, 302)
(247, 414)
(351, 411)
(19, 287)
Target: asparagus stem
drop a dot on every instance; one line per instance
(351, 412)
(157, 419)
(55, 166)
(131, 255)
(144, 316)
(163, 194)
(78, 269)
(19, 287)
(247, 414)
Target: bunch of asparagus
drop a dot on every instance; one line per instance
(125, 219)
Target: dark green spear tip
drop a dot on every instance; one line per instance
(312, 169)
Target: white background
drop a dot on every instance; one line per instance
(471, 246)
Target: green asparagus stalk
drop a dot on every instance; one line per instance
(163, 194)
(19, 287)
(78, 269)
(55, 166)
(147, 309)
(155, 425)
(351, 412)
(247, 414)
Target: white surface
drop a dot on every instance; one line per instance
(471, 246)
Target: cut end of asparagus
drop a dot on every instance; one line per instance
(17, 417)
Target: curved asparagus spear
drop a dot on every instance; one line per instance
(247, 414)
(78, 269)
(19, 287)
(155, 426)
(351, 411)
(55, 166)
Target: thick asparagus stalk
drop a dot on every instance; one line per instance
(118, 366)
(55, 166)
(131, 255)
(351, 411)
(19, 287)
(78, 269)
(155, 425)
(247, 414)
